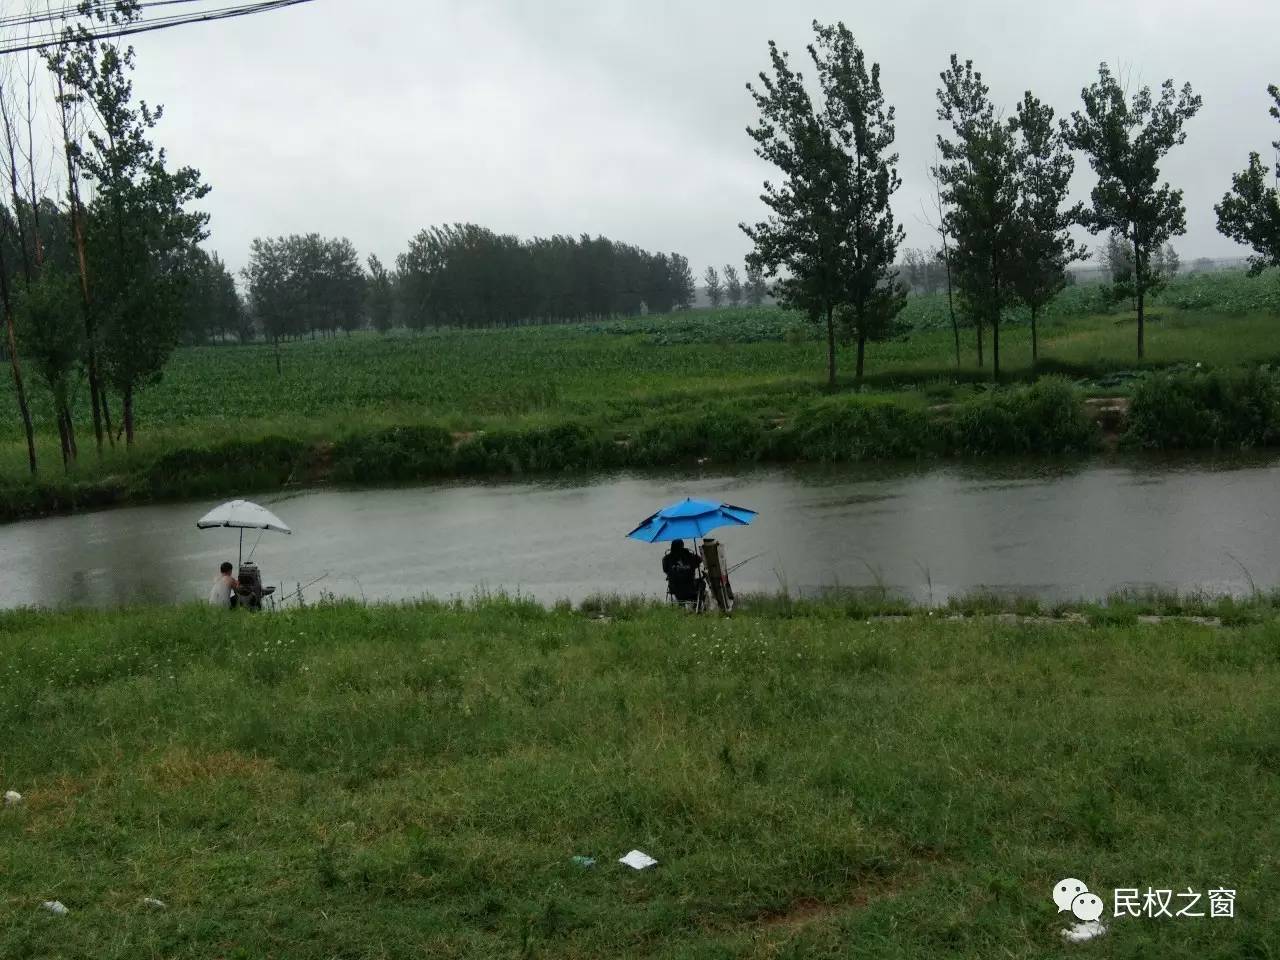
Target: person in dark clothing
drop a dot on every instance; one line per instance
(681, 567)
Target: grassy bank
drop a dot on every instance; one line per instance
(1047, 418)
(511, 402)
(407, 782)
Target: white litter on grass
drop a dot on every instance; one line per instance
(154, 904)
(55, 906)
(1083, 931)
(12, 797)
(637, 860)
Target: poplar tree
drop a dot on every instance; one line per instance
(830, 237)
(715, 290)
(1125, 138)
(977, 176)
(1250, 212)
(754, 288)
(732, 285)
(1045, 247)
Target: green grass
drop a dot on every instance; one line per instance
(412, 782)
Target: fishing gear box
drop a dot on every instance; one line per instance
(251, 589)
(717, 568)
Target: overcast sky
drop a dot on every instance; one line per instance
(374, 118)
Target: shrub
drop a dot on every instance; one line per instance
(398, 454)
(567, 446)
(1205, 409)
(235, 465)
(721, 435)
(1045, 418)
(19, 501)
(844, 430)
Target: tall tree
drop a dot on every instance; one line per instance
(1045, 247)
(732, 285)
(1250, 212)
(754, 289)
(15, 228)
(978, 179)
(73, 64)
(938, 221)
(381, 296)
(684, 288)
(52, 335)
(800, 242)
(863, 129)
(715, 289)
(830, 232)
(1125, 139)
(15, 365)
(142, 239)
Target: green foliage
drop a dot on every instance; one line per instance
(397, 455)
(715, 288)
(851, 430)
(299, 284)
(262, 464)
(830, 235)
(1206, 410)
(212, 306)
(1250, 212)
(743, 325)
(380, 293)
(1228, 292)
(1047, 418)
(465, 275)
(721, 435)
(561, 448)
(978, 191)
(1045, 248)
(50, 328)
(1125, 138)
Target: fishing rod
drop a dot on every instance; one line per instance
(297, 594)
(744, 562)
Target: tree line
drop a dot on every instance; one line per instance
(830, 241)
(457, 275)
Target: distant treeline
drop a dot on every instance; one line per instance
(466, 275)
(459, 275)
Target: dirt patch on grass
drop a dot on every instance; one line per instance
(809, 910)
(181, 768)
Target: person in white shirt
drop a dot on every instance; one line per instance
(223, 592)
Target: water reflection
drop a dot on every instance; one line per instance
(1061, 530)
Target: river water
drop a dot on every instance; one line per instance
(1060, 532)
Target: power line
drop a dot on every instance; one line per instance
(72, 11)
(58, 38)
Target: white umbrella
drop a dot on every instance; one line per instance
(242, 515)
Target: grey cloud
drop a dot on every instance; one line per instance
(374, 119)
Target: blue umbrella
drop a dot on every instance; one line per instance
(690, 519)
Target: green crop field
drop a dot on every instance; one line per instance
(413, 782)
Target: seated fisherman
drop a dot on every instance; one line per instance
(223, 592)
(681, 567)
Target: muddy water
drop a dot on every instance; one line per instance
(1058, 532)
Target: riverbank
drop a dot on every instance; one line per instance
(528, 402)
(1192, 410)
(412, 781)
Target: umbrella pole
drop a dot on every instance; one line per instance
(240, 559)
